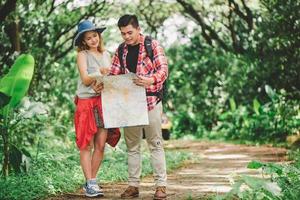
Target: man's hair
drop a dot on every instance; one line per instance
(126, 20)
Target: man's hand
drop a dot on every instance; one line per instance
(97, 87)
(143, 81)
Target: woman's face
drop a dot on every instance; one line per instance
(92, 39)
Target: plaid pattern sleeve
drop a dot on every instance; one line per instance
(115, 65)
(158, 70)
(160, 63)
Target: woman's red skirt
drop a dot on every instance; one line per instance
(88, 118)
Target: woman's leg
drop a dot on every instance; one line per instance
(99, 145)
(85, 160)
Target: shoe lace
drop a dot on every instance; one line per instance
(96, 187)
(161, 188)
(130, 189)
(91, 190)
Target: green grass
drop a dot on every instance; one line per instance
(57, 171)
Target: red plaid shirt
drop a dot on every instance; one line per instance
(158, 69)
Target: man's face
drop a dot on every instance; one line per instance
(130, 34)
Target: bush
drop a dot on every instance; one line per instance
(283, 182)
(270, 122)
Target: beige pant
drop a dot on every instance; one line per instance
(133, 137)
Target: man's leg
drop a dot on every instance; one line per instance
(155, 142)
(133, 137)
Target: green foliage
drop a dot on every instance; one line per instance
(282, 182)
(147, 12)
(52, 173)
(212, 93)
(202, 80)
(14, 86)
(272, 121)
(278, 44)
(217, 94)
(16, 83)
(186, 90)
(47, 31)
(56, 169)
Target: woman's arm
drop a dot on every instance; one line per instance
(82, 67)
(115, 64)
(105, 69)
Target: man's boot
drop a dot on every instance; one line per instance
(160, 193)
(130, 192)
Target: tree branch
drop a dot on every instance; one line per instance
(86, 15)
(61, 45)
(89, 13)
(52, 8)
(248, 17)
(235, 43)
(63, 53)
(149, 15)
(208, 33)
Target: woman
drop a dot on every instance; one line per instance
(92, 61)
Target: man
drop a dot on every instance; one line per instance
(151, 75)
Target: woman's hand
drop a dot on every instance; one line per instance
(97, 87)
(105, 70)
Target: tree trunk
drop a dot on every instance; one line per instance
(4, 134)
(13, 32)
(8, 7)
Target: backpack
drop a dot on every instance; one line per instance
(149, 52)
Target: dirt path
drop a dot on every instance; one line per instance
(199, 179)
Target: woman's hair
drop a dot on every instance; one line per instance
(82, 46)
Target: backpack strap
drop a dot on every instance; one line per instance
(120, 55)
(149, 51)
(148, 47)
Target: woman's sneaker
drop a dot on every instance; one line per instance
(92, 189)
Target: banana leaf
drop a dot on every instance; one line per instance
(15, 84)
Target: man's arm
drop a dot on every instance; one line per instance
(160, 63)
(161, 67)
